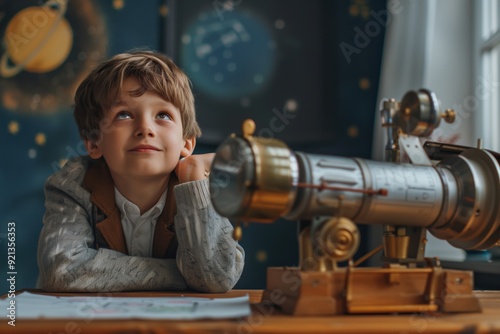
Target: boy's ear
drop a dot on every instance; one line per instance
(93, 149)
(188, 148)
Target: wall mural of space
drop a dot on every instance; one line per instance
(295, 67)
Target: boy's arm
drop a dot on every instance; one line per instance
(208, 257)
(66, 258)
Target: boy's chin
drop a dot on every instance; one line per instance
(146, 173)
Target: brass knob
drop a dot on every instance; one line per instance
(248, 127)
(449, 115)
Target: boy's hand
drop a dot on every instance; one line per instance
(195, 167)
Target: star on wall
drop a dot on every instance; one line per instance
(40, 139)
(14, 127)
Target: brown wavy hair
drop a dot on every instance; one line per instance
(155, 72)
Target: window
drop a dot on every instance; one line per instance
(487, 68)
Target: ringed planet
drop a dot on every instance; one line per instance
(38, 39)
(47, 47)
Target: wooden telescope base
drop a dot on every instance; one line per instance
(352, 290)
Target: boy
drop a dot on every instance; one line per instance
(136, 214)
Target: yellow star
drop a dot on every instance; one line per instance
(40, 139)
(364, 83)
(261, 256)
(163, 10)
(359, 7)
(354, 10)
(365, 13)
(118, 4)
(353, 131)
(13, 127)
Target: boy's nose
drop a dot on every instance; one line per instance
(144, 129)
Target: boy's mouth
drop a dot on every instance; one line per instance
(144, 148)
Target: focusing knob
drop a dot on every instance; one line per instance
(419, 113)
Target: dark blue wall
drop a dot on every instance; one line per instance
(322, 57)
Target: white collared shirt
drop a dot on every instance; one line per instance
(139, 229)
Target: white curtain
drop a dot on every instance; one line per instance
(428, 44)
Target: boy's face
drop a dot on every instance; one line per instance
(143, 137)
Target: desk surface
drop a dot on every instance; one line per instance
(267, 319)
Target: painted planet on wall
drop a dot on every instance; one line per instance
(47, 49)
(231, 58)
(38, 39)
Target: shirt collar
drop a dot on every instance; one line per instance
(129, 209)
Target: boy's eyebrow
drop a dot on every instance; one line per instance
(163, 103)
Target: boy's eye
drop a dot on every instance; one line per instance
(123, 115)
(164, 116)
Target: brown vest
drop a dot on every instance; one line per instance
(106, 220)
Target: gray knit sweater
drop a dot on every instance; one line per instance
(208, 259)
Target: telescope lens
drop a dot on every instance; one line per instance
(232, 169)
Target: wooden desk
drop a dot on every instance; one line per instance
(267, 319)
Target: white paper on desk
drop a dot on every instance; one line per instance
(36, 306)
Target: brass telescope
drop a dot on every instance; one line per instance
(450, 191)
